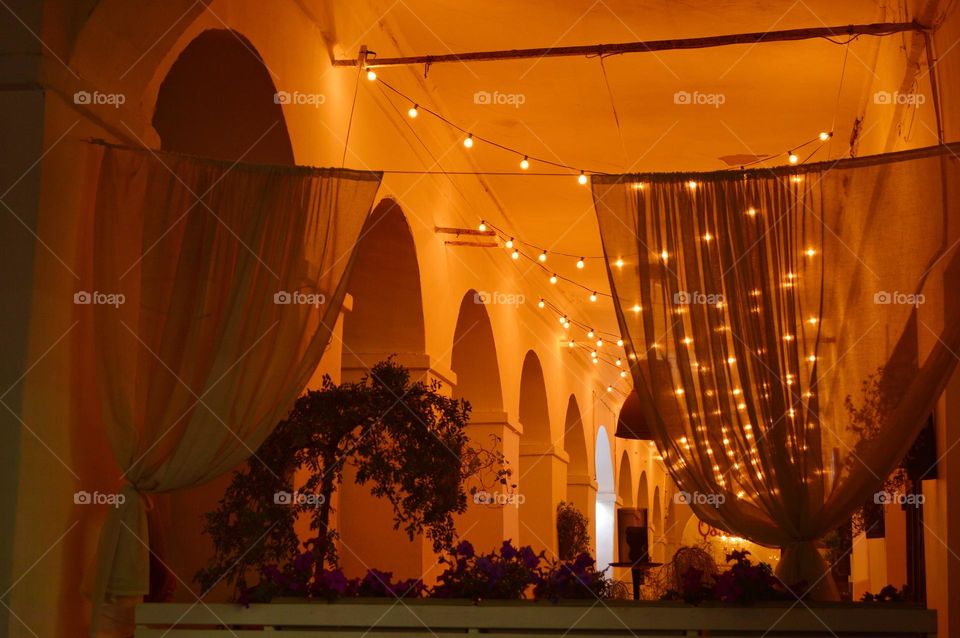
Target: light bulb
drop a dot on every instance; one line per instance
(618, 263)
(543, 256)
(482, 227)
(468, 141)
(619, 362)
(371, 75)
(637, 307)
(515, 254)
(812, 358)
(593, 296)
(811, 252)
(590, 334)
(619, 343)
(692, 185)
(812, 321)
(580, 263)
(563, 319)
(509, 243)
(707, 237)
(541, 304)
(664, 255)
(596, 361)
(524, 163)
(593, 354)
(582, 179)
(599, 343)
(609, 388)
(553, 278)
(413, 111)
(824, 136)
(752, 211)
(792, 157)
(571, 343)
(623, 374)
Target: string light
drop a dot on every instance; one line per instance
(580, 263)
(619, 343)
(371, 75)
(553, 278)
(792, 157)
(571, 343)
(413, 111)
(541, 303)
(593, 296)
(810, 252)
(482, 227)
(752, 211)
(543, 256)
(524, 163)
(599, 343)
(582, 179)
(825, 135)
(618, 263)
(468, 141)
(590, 333)
(515, 254)
(509, 243)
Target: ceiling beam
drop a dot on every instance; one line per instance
(368, 58)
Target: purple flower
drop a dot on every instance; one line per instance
(508, 551)
(465, 548)
(530, 559)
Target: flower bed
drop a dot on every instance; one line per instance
(423, 618)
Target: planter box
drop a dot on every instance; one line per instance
(379, 618)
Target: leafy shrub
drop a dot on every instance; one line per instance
(503, 574)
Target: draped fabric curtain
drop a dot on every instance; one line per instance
(788, 332)
(215, 287)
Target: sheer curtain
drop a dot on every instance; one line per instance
(788, 332)
(214, 289)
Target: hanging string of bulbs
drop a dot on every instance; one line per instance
(582, 174)
(513, 245)
(468, 142)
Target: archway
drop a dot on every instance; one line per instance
(542, 464)
(217, 101)
(606, 499)
(657, 533)
(387, 314)
(643, 492)
(385, 319)
(487, 520)
(581, 486)
(625, 481)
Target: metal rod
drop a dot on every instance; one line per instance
(463, 231)
(473, 244)
(876, 29)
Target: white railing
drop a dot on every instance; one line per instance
(444, 619)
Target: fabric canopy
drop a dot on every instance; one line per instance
(215, 288)
(788, 332)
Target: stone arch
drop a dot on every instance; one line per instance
(474, 357)
(217, 100)
(643, 492)
(625, 481)
(542, 477)
(606, 499)
(581, 486)
(387, 313)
